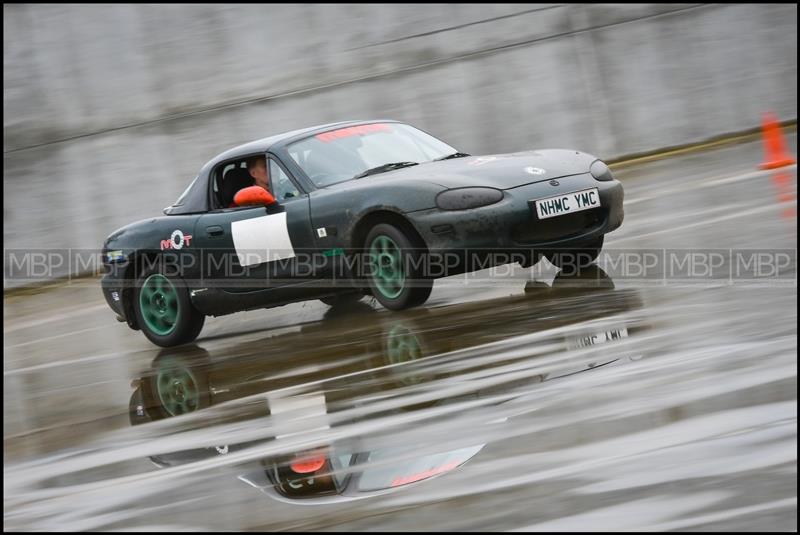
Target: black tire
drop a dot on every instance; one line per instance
(188, 321)
(343, 299)
(572, 260)
(415, 287)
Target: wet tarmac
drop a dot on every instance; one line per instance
(661, 398)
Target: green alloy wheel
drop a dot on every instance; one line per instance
(158, 301)
(395, 261)
(387, 266)
(164, 310)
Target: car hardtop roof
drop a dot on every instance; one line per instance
(195, 199)
(264, 144)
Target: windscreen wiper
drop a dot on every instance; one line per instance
(385, 167)
(450, 156)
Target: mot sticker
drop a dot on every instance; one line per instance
(177, 240)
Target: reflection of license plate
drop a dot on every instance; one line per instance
(597, 338)
(568, 203)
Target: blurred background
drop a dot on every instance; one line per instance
(536, 402)
(110, 110)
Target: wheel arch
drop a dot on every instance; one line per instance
(138, 262)
(375, 217)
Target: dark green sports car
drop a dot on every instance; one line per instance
(348, 209)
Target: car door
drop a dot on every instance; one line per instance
(256, 247)
(295, 261)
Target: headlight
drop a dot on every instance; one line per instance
(113, 257)
(466, 198)
(600, 171)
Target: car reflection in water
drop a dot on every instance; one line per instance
(375, 351)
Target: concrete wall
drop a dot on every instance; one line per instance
(110, 110)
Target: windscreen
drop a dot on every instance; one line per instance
(344, 153)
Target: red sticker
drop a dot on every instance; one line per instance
(350, 131)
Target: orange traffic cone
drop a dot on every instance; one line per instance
(775, 152)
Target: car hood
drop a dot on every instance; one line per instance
(502, 171)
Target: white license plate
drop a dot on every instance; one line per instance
(568, 203)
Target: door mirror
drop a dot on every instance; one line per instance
(253, 196)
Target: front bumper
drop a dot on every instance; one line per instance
(113, 285)
(512, 223)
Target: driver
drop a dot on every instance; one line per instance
(257, 167)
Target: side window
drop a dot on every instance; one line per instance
(282, 186)
(229, 179)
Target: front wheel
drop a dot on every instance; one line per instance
(395, 268)
(572, 260)
(164, 310)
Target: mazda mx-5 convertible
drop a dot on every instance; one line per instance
(338, 211)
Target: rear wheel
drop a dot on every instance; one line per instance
(571, 260)
(164, 310)
(395, 268)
